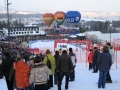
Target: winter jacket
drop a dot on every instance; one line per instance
(95, 56)
(64, 63)
(52, 60)
(22, 75)
(90, 57)
(6, 66)
(104, 62)
(112, 53)
(39, 74)
(56, 58)
(73, 58)
(12, 74)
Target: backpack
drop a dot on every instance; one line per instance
(48, 63)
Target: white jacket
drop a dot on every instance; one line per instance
(112, 52)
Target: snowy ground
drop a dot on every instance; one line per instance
(85, 79)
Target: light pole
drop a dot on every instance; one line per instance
(8, 25)
(110, 30)
(82, 29)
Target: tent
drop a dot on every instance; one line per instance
(73, 36)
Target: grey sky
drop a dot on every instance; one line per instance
(81, 5)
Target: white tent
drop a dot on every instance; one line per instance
(73, 36)
(80, 34)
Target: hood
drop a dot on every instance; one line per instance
(41, 64)
(21, 64)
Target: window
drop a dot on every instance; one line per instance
(27, 32)
(16, 32)
(11, 30)
(37, 31)
(19, 32)
(31, 31)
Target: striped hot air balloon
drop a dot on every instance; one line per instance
(59, 17)
(48, 18)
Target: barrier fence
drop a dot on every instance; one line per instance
(81, 54)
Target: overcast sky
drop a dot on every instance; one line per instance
(81, 5)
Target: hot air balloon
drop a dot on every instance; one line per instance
(73, 16)
(59, 17)
(48, 18)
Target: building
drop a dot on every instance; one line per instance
(24, 31)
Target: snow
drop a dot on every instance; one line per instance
(84, 79)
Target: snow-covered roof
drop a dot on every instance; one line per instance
(105, 37)
(93, 32)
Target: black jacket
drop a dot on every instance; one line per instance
(6, 66)
(95, 57)
(64, 63)
(56, 58)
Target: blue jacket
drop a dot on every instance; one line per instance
(104, 61)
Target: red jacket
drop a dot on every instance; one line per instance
(22, 74)
(90, 57)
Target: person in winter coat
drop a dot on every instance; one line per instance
(53, 65)
(112, 53)
(74, 60)
(95, 57)
(42, 56)
(90, 58)
(5, 68)
(56, 56)
(64, 67)
(22, 74)
(12, 72)
(104, 62)
(39, 74)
